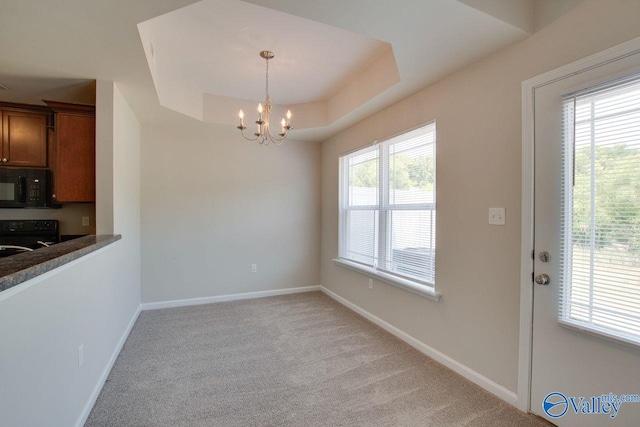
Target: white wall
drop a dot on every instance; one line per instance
(126, 187)
(91, 301)
(478, 116)
(213, 204)
(105, 121)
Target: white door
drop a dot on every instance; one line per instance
(587, 206)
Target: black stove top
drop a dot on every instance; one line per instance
(17, 236)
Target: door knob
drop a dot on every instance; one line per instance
(542, 279)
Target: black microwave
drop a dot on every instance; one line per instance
(25, 188)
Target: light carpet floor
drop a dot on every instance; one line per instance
(293, 360)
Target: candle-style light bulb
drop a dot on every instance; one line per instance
(260, 107)
(241, 114)
(284, 123)
(288, 115)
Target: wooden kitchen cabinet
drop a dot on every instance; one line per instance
(73, 152)
(24, 138)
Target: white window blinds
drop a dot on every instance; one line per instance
(600, 283)
(387, 206)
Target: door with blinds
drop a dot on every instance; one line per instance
(586, 311)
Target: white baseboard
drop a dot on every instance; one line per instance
(105, 373)
(484, 382)
(223, 298)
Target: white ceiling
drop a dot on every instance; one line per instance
(213, 46)
(342, 47)
(332, 67)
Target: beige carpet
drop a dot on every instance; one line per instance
(294, 360)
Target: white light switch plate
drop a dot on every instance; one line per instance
(497, 216)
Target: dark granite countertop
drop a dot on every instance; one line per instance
(22, 267)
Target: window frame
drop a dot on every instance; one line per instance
(381, 210)
(567, 303)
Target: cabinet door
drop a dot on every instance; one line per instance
(24, 139)
(75, 171)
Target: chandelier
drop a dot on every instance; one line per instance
(263, 134)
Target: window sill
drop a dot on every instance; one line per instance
(600, 333)
(408, 285)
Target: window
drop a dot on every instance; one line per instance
(600, 283)
(388, 209)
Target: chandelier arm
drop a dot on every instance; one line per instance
(275, 139)
(245, 137)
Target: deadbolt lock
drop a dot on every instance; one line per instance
(543, 256)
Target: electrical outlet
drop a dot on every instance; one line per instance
(370, 283)
(85, 221)
(254, 268)
(80, 355)
(497, 216)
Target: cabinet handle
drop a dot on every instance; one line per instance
(4, 160)
(53, 196)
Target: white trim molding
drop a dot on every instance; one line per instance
(107, 370)
(615, 53)
(408, 285)
(223, 298)
(476, 378)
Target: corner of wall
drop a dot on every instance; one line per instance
(104, 156)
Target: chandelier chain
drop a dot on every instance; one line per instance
(267, 85)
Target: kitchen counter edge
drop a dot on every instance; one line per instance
(22, 267)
